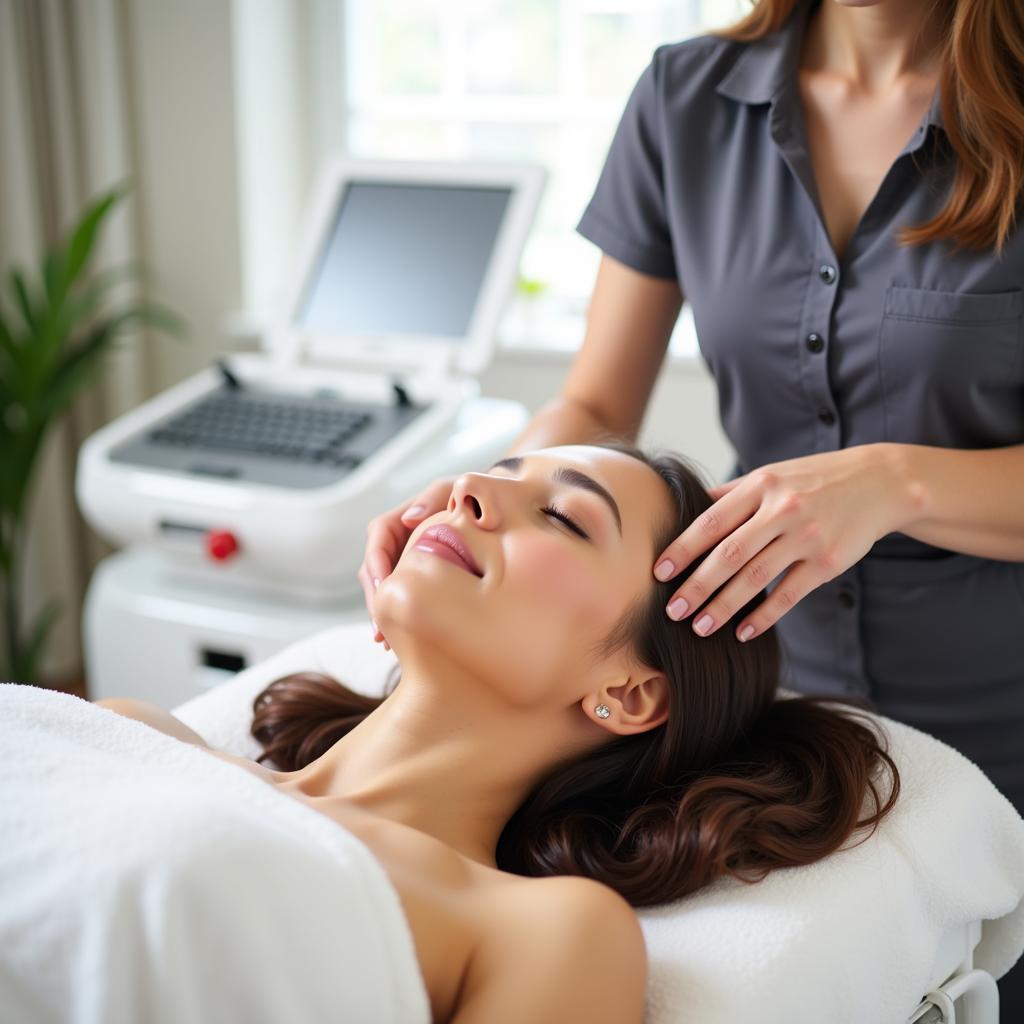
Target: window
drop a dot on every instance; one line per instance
(542, 80)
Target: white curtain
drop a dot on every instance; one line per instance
(65, 137)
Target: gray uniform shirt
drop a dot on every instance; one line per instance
(708, 181)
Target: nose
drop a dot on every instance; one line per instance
(471, 491)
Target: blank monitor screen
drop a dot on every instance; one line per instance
(404, 259)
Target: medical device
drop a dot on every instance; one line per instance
(256, 478)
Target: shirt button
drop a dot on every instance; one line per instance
(826, 416)
(827, 272)
(815, 342)
(847, 599)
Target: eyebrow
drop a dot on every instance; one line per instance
(572, 477)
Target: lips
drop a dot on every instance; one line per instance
(451, 538)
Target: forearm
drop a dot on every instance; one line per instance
(153, 716)
(966, 500)
(561, 421)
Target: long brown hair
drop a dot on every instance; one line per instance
(737, 780)
(982, 97)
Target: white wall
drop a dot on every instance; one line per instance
(682, 414)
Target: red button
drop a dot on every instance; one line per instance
(221, 544)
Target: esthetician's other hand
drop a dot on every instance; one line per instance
(814, 516)
(388, 533)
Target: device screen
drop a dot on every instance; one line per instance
(404, 259)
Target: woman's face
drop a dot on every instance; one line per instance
(523, 631)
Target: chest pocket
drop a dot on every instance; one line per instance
(950, 368)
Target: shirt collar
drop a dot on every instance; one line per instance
(766, 65)
(935, 110)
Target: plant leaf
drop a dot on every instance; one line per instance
(84, 237)
(11, 357)
(78, 365)
(167, 320)
(75, 309)
(53, 273)
(20, 292)
(53, 322)
(17, 462)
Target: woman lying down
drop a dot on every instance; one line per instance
(558, 751)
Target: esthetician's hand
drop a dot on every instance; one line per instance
(814, 516)
(388, 533)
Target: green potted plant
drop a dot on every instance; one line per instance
(53, 338)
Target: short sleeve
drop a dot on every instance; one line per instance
(627, 215)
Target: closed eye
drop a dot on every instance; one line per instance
(568, 520)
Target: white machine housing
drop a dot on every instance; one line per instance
(310, 542)
(303, 542)
(155, 634)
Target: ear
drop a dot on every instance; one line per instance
(637, 705)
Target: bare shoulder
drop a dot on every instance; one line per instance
(560, 948)
(154, 716)
(569, 901)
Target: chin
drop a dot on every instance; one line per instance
(419, 601)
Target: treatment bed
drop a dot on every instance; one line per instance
(911, 926)
(929, 910)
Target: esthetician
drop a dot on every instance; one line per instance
(834, 186)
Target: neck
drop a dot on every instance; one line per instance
(874, 47)
(443, 760)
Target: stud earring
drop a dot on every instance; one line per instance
(602, 711)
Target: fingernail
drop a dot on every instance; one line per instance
(703, 624)
(415, 510)
(664, 569)
(376, 582)
(677, 608)
(376, 628)
(746, 633)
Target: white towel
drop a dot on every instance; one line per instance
(856, 936)
(142, 879)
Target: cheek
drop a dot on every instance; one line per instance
(556, 603)
(556, 575)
